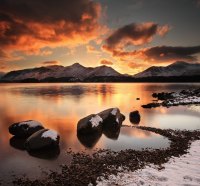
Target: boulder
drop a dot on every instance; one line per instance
(25, 129)
(90, 124)
(112, 116)
(42, 139)
(134, 117)
(90, 128)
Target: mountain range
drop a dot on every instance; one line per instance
(2, 74)
(79, 73)
(179, 68)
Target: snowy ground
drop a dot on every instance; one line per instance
(178, 171)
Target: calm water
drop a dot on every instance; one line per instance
(61, 106)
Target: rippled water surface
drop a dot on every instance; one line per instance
(61, 106)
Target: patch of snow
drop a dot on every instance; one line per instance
(194, 108)
(30, 123)
(50, 134)
(117, 120)
(178, 171)
(114, 111)
(96, 120)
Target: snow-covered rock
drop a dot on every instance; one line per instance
(108, 121)
(112, 122)
(90, 124)
(42, 139)
(25, 128)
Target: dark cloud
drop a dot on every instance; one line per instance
(29, 25)
(169, 53)
(134, 34)
(106, 62)
(51, 63)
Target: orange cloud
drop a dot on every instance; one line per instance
(91, 49)
(106, 62)
(29, 26)
(50, 63)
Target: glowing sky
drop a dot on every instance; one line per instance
(128, 35)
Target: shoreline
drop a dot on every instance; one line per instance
(90, 169)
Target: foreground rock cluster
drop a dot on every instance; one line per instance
(168, 99)
(33, 136)
(107, 122)
(89, 169)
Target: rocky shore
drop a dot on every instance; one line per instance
(88, 169)
(168, 99)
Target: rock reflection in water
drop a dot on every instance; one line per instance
(91, 128)
(47, 153)
(89, 140)
(17, 143)
(112, 130)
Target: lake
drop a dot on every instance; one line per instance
(60, 106)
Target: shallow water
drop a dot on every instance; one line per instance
(60, 106)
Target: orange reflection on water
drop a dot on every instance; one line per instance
(61, 106)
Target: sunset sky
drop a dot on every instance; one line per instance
(128, 35)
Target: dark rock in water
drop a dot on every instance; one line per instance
(134, 117)
(112, 116)
(42, 139)
(25, 129)
(90, 124)
(112, 122)
(163, 95)
(151, 105)
(17, 143)
(89, 140)
(90, 128)
(49, 153)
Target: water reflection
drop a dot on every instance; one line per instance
(60, 107)
(89, 140)
(17, 143)
(48, 153)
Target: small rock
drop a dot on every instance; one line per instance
(134, 117)
(42, 139)
(137, 98)
(25, 129)
(151, 105)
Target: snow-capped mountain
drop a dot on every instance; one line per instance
(74, 71)
(1, 74)
(178, 68)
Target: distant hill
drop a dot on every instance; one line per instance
(176, 72)
(76, 72)
(178, 68)
(1, 74)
